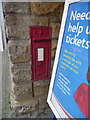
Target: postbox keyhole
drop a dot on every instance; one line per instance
(39, 64)
(37, 73)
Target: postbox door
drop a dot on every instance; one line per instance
(41, 65)
(40, 52)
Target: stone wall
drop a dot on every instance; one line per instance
(28, 96)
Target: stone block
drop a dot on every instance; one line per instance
(54, 44)
(61, 10)
(26, 106)
(42, 102)
(43, 7)
(38, 91)
(39, 21)
(25, 21)
(22, 91)
(17, 32)
(19, 52)
(42, 98)
(54, 19)
(21, 68)
(52, 63)
(35, 114)
(55, 29)
(20, 57)
(53, 53)
(21, 73)
(41, 83)
(19, 27)
(21, 46)
(48, 111)
(21, 78)
(17, 7)
(44, 105)
(57, 14)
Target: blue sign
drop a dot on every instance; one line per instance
(72, 80)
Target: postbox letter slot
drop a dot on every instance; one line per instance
(40, 54)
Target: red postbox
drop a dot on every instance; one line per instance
(40, 52)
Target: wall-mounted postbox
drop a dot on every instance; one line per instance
(40, 52)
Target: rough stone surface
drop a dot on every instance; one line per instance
(40, 113)
(25, 20)
(26, 106)
(18, 46)
(37, 113)
(21, 30)
(44, 105)
(20, 58)
(53, 53)
(41, 83)
(55, 29)
(43, 7)
(61, 10)
(54, 44)
(42, 100)
(21, 78)
(22, 91)
(17, 33)
(57, 14)
(52, 62)
(54, 19)
(19, 51)
(40, 90)
(23, 68)
(19, 8)
(46, 114)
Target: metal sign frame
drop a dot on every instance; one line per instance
(2, 30)
(65, 13)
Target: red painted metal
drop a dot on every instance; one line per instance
(40, 38)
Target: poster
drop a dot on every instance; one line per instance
(70, 94)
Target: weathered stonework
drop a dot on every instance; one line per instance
(17, 33)
(42, 99)
(18, 26)
(41, 83)
(40, 90)
(43, 8)
(54, 44)
(28, 96)
(54, 19)
(16, 8)
(55, 29)
(26, 106)
(53, 53)
(21, 78)
(21, 21)
(19, 52)
(19, 58)
(22, 91)
(21, 68)
(52, 62)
